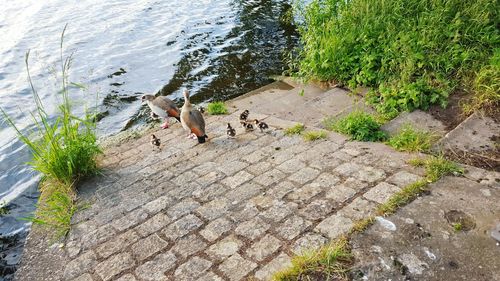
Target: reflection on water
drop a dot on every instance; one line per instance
(218, 49)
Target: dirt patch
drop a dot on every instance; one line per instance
(460, 220)
(484, 159)
(452, 115)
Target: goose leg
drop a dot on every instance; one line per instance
(165, 125)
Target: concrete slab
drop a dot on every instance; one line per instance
(425, 245)
(418, 119)
(475, 139)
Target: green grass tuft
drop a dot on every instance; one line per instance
(64, 150)
(331, 262)
(314, 135)
(411, 140)
(217, 108)
(295, 130)
(437, 167)
(415, 53)
(403, 197)
(457, 227)
(358, 125)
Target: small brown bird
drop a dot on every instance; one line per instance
(248, 127)
(262, 126)
(163, 107)
(244, 115)
(231, 132)
(155, 141)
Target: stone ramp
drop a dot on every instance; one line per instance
(423, 245)
(224, 210)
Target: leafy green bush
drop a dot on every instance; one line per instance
(411, 139)
(217, 108)
(359, 125)
(415, 53)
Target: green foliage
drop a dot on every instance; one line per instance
(295, 130)
(403, 197)
(64, 150)
(415, 53)
(314, 135)
(331, 262)
(412, 140)
(457, 226)
(359, 125)
(487, 88)
(217, 108)
(3, 209)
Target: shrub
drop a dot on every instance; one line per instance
(359, 125)
(415, 53)
(217, 108)
(411, 140)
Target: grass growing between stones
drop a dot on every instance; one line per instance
(331, 262)
(295, 130)
(411, 140)
(64, 150)
(314, 135)
(359, 125)
(217, 108)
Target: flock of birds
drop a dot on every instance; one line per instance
(191, 118)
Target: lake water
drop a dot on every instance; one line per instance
(218, 49)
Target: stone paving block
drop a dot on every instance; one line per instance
(184, 177)
(148, 246)
(305, 193)
(281, 189)
(115, 245)
(154, 269)
(340, 193)
(308, 242)
(129, 220)
(259, 168)
(236, 267)
(291, 166)
(186, 190)
(381, 192)
(370, 174)
(358, 209)
(238, 179)
(210, 277)
(224, 248)
(84, 277)
(205, 168)
(158, 204)
(214, 208)
(265, 247)
(334, 226)
(317, 209)
(80, 265)
(263, 201)
(153, 224)
(278, 211)
(243, 192)
(188, 245)
(282, 261)
(216, 228)
(232, 167)
(243, 213)
(97, 236)
(210, 178)
(182, 227)
(182, 208)
(114, 266)
(403, 178)
(304, 175)
(208, 193)
(127, 277)
(270, 177)
(192, 269)
(252, 229)
(327, 180)
(292, 227)
(348, 169)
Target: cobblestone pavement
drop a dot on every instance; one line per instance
(230, 209)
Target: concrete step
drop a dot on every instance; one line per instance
(417, 119)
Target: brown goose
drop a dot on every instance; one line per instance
(192, 120)
(163, 107)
